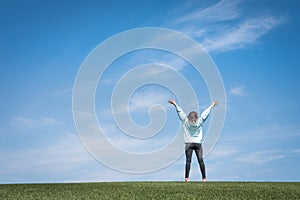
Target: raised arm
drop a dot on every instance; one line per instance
(180, 112)
(206, 112)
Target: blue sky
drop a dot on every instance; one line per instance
(254, 44)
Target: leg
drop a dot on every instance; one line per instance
(199, 154)
(188, 156)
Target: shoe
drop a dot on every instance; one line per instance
(187, 180)
(204, 180)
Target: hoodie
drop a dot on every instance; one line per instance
(193, 131)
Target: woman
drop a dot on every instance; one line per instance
(192, 126)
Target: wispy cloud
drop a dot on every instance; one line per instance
(260, 157)
(225, 26)
(221, 11)
(175, 63)
(138, 103)
(296, 151)
(222, 151)
(148, 99)
(238, 91)
(38, 163)
(242, 35)
(36, 122)
(108, 81)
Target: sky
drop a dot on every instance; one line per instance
(253, 44)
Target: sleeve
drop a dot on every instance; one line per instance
(205, 114)
(181, 113)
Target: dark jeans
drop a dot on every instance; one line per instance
(189, 147)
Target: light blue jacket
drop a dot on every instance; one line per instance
(193, 131)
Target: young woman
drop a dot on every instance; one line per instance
(192, 125)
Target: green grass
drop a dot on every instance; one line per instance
(153, 190)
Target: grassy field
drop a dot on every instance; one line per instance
(153, 190)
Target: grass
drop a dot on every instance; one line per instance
(153, 190)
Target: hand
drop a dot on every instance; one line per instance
(214, 103)
(171, 101)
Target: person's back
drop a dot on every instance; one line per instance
(192, 125)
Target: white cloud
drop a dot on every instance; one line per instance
(148, 99)
(238, 91)
(224, 26)
(296, 151)
(36, 122)
(260, 157)
(243, 34)
(63, 155)
(138, 103)
(222, 151)
(175, 63)
(131, 144)
(107, 81)
(222, 11)
(54, 160)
